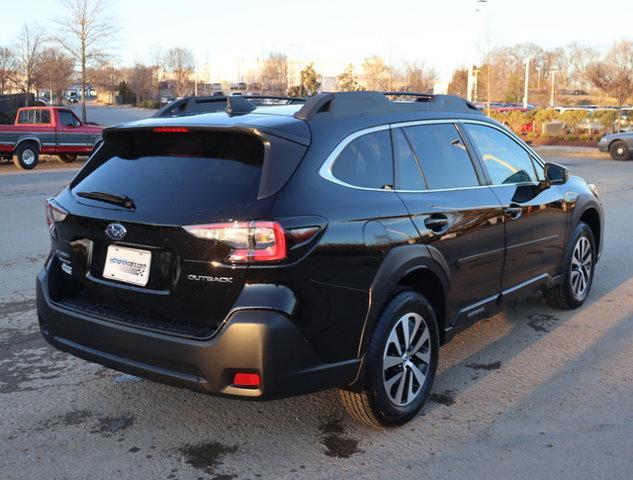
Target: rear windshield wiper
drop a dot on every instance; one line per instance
(122, 200)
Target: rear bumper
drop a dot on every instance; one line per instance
(251, 340)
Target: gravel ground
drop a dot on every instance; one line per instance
(528, 394)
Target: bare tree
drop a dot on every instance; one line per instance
(180, 63)
(274, 75)
(7, 68)
(55, 71)
(141, 80)
(614, 75)
(86, 31)
(578, 58)
(28, 50)
(105, 76)
(377, 74)
(418, 77)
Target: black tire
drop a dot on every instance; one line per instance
(564, 295)
(373, 406)
(619, 150)
(68, 158)
(26, 155)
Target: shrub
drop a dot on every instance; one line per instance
(573, 118)
(607, 118)
(148, 104)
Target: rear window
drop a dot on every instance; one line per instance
(177, 172)
(34, 117)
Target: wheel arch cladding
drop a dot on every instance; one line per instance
(427, 283)
(592, 218)
(408, 266)
(24, 140)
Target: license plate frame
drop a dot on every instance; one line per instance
(127, 265)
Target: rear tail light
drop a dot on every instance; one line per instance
(54, 215)
(251, 242)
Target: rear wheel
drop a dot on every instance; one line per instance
(401, 363)
(68, 158)
(26, 156)
(578, 271)
(619, 150)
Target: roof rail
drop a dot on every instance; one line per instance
(345, 104)
(218, 103)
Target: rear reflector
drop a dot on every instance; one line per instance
(170, 129)
(250, 380)
(250, 241)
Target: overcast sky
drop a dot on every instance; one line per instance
(444, 34)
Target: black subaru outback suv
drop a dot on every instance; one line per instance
(273, 251)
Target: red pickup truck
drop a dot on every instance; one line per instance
(48, 130)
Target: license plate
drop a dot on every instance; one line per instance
(128, 265)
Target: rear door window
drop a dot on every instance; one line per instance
(177, 172)
(366, 161)
(408, 172)
(443, 156)
(505, 160)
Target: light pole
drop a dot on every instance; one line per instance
(471, 81)
(527, 80)
(551, 98)
(469, 84)
(538, 78)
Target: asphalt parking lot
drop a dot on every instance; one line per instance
(532, 393)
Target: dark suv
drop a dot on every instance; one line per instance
(273, 251)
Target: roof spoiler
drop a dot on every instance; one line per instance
(343, 104)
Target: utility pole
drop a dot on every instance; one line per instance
(527, 81)
(551, 99)
(195, 79)
(469, 83)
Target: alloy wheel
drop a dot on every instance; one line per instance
(581, 266)
(406, 359)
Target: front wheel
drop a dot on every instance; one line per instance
(619, 150)
(401, 363)
(26, 156)
(578, 271)
(68, 158)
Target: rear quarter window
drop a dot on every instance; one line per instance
(366, 161)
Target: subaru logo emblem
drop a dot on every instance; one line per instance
(115, 231)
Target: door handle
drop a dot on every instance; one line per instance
(514, 211)
(437, 223)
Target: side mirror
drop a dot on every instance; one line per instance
(556, 174)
